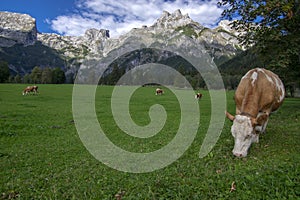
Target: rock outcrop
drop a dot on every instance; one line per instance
(17, 28)
(76, 46)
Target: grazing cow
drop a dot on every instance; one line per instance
(198, 96)
(159, 91)
(30, 89)
(259, 93)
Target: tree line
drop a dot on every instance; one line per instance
(38, 75)
(192, 76)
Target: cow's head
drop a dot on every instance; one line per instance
(245, 130)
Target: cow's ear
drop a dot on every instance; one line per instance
(229, 116)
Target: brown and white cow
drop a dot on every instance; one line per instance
(198, 96)
(30, 89)
(159, 91)
(259, 93)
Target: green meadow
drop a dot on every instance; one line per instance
(42, 156)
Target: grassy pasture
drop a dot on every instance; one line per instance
(42, 156)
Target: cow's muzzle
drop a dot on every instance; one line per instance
(239, 154)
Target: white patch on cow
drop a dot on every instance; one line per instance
(242, 118)
(254, 78)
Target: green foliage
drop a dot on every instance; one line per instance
(27, 78)
(42, 156)
(58, 76)
(18, 79)
(36, 75)
(47, 75)
(4, 72)
(113, 77)
(40, 75)
(272, 28)
(264, 21)
(187, 30)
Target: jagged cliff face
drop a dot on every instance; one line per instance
(174, 20)
(17, 29)
(76, 47)
(21, 29)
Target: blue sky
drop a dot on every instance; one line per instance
(73, 17)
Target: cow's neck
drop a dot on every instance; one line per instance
(250, 105)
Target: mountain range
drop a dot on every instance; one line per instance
(23, 47)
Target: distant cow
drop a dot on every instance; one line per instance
(198, 96)
(30, 89)
(259, 93)
(159, 91)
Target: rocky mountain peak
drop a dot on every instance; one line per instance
(177, 13)
(17, 28)
(17, 21)
(165, 14)
(95, 34)
(172, 20)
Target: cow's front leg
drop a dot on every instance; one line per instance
(264, 126)
(261, 122)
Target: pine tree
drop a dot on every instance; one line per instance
(36, 75)
(4, 72)
(58, 76)
(46, 75)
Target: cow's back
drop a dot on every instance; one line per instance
(259, 90)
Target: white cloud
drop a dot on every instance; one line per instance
(121, 16)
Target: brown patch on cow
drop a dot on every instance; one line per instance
(253, 121)
(261, 119)
(248, 100)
